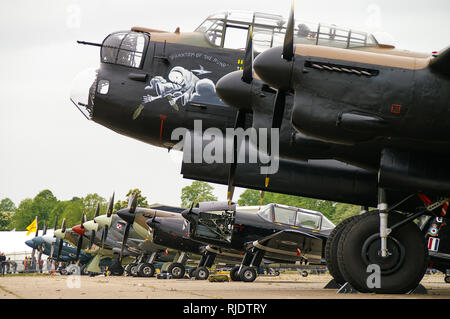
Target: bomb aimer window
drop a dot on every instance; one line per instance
(124, 48)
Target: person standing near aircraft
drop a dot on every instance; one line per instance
(13, 266)
(2, 262)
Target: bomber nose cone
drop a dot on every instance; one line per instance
(273, 69)
(126, 215)
(78, 230)
(234, 91)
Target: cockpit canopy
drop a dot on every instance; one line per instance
(294, 216)
(230, 30)
(124, 48)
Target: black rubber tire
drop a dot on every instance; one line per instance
(404, 276)
(304, 273)
(128, 268)
(177, 270)
(447, 279)
(331, 248)
(191, 272)
(201, 273)
(145, 270)
(234, 274)
(115, 268)
(248, 274)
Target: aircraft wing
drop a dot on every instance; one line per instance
(441, 63)
(291, 245)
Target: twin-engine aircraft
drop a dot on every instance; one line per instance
(359, 121)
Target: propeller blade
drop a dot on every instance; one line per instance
(60, 246)
(79, 244)
(97, 210)
(45, 229)
(288, 45)
(83, 220)
(91, 240)
(37, 227)
(56, 223)
(247, 74)
(104, 235)
(124, 242)
(110, 206)
(63, 226)
(240, 122)
(132, 203)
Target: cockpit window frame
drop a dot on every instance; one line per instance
(278, 27)
(271, 208)
(120, 49)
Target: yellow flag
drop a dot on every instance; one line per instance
(32, 227)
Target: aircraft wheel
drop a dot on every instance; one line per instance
(331, 248)
(177, 270)
(192, 272)
(234, 274)
(128, 268)
(447, 279)
(133, 270)
(201, 273)
(400, 272)
(304, 273)
(116, 268)
(248, 274)
(145, 270)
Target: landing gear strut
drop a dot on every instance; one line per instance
(246, 272)
(380, 254)
(207, 260)
(176, 269)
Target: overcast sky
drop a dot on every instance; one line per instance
(46, 143)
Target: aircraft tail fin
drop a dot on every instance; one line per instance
(441, 63)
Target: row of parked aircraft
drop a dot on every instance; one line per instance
(212, 232)
(136, 240)
(358, 122)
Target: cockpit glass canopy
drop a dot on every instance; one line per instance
(124, 48)
(293, 216)
(269, 30)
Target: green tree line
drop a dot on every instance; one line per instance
(48, 208)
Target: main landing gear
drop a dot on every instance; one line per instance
(246, 272)
(381, 251)
(201, 272)
(142, 266)
(177, 269)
